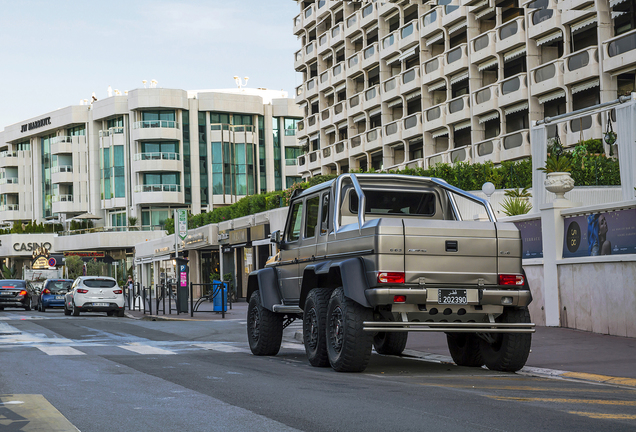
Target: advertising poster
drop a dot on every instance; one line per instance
(606, 233)
(532, 242)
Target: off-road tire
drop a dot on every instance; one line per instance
(264, 328)
(315, 326)
(348, 346)
(75, 311)
(390, 343)
(510, 351)
(464, 349)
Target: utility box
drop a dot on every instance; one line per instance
(183, 282)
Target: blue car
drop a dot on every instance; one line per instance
(53, 292)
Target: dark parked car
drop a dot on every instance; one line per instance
(53, 292)
(16, 293)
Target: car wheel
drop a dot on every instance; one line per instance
(507, 352)
(120, 313)
(315, 326)
(464, 349)
(390, 343)
(264, 328)
(348, 345)
(110, 313)
(28, 307)
(42, 308)
(66, 311)
(76, 311)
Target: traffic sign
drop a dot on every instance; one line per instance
(52, 262)
(182, 223)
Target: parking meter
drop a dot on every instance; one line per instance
(183, 282)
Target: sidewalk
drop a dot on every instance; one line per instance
(559, 352)
(205, 313)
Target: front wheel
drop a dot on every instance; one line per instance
(390, 343)
(507, 352)
(42, 308)
(264, 328)
(76, 311)
(348, 345)
(66, 311)
(314, 326)
(29, 306)
(464, 349)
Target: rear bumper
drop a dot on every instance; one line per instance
(14, 302)
(52, 302)
(89, 307)
(448, 327)
(429, 296)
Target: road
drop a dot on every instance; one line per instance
(98, 373)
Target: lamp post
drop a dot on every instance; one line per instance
(488, 189)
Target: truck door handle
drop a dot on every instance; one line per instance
(451, 245)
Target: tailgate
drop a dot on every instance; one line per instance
(450, 252)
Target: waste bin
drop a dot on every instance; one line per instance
(219, 301)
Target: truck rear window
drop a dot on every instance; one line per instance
(395, 202)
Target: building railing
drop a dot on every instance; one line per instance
(111, 131)
(158, 188)
(290, 162)
(581, 59)
(61, 139)
(111, 229)
(622, 44)
(10, 207)
(290, 132)
(145, 124)
(6, 154)
(62, 169)
(62, 198)
(157, 156)
(9, 180)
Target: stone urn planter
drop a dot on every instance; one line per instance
(559, 183)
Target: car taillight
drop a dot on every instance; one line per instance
(391, 277)
(506, 279)
(46, 291)
(82, 291)
(399, 299)
(118, 291)
(23, 293)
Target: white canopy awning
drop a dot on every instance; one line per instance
(583, 23)
(330, 129)
(487, 117)
(340, 87)
(327, 55)
(549, 38)
(462, 125)
(359, 117)
(585, 85)
(409, 53)
(457, 27)
(394, 103)
(459, 77)
(375, 111)
(435, 38)
(551, 96)
(615, 2)
(484, 12)
(415, 94)
(516, 108)
(515, 53)
(437, 85)
(439, 133)
(302, 141)
(487, 64)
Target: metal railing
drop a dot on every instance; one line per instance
(157, 156)
(62, 169)
(10, 207)
(145, 124)
(217, 290)
(62, 198)
(112, 229)
(9, 180)
(158, 188)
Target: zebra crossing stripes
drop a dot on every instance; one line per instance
(146, 349)
(60, 350)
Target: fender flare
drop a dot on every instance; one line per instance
(266, 282)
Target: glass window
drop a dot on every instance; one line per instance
(116, 122)
(77, 131)
(293, 230)
(99, 283)
(219, 118)
(241, 119)
(313, 205)
(394, 202)
(324, 214)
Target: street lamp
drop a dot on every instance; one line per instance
(488, 189)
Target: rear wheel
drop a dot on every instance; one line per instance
(507, 352)
(314, 326)
(42, 308)
(109, 313)
(348, 345)
(264, 328)
(390, 343)
(28, 307)
(464, 349)
(76, 311)
(120, 313)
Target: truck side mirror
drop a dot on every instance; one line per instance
(275, 237)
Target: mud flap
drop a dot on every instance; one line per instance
(265, 281)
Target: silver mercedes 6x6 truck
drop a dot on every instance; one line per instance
(366, 258)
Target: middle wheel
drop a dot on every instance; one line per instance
(348, 345)
(314, 326)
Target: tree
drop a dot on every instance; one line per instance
(75, 266)
(93, 268)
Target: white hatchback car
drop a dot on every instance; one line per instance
(95, 294)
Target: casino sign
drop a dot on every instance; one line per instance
(41, 258)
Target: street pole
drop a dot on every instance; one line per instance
(176, 234)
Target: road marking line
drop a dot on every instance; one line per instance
(572, 401)
(59, 350)
(222, 348)
(601, 378)
(293, 346)
(523, 388)
(35, 410)
(605, 416)
(145, 349)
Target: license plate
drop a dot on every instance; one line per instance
(6, 293)
(100, 304)
(59, 297)
(452, 296)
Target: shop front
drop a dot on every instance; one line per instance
(22, 254)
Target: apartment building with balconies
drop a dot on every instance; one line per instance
(146, 153)
(396, 84)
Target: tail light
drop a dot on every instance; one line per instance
(46, 291)
(82, 291)
(22, 293)
(391, 277)
(507, 279)
(399, 299)
(118, 291)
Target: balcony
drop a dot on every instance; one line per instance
(483, 47)
(412, 126)
(9, 208)
(461, 154)
(352, 24)
(323, 43)
(353, 65)
(409, 36)
(620, 53)
(453, 13)
(591, 126)
(391, 88)
(65, 204)
(337, 74)
(575, 4)
(311, 88)
(487, 150)
(325, 80)
(309, 15)
(63, 144)
(431, 22)
(355, 104)
(156, 129)
(299, 60)
(325, 117)
(388, 46)
(356, 144)
(370, 55)
(300, 94)
(578, 18)
(542, 21)
(148, 162)
(393, 132)
(312, 124)
(458, 109)
(581, 65)
(311, 51)
(372, 97)
(510, 35)
(342, 151)
(435, 117)
(339, 112)
(314, 160)
(486, 99)
(302, 164)
(433, 69)
(513, 89)
(8, 159)
(158, 193)
(337, 34)
(10, 185)
(515, 145)
(456, 59)
(298, 24)
(329, 155)
(62, 174)
(369, 15)
(411, 80)
(373, 139)
(323, 8)
(547, 77)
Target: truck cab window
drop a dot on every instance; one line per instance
(324, 217)
(313, 204)
(293, 229)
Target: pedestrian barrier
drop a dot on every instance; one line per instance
(216, 292)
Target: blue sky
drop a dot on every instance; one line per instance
(55, 53)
